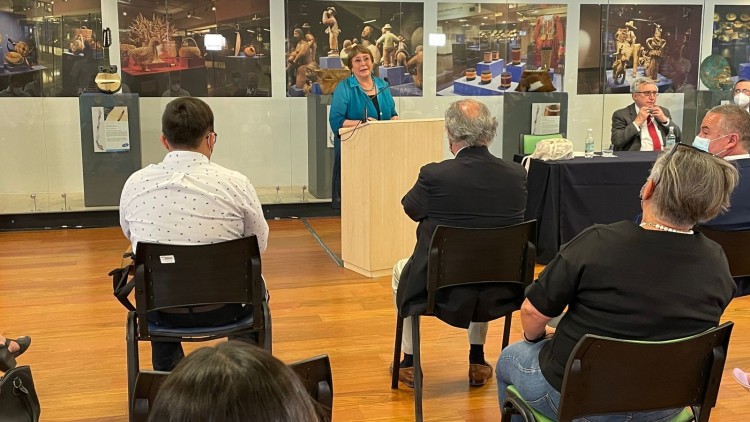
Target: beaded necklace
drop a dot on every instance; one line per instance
(664, 228)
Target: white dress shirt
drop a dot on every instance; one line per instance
(647, 144)
(186, 200)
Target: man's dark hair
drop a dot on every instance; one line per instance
(185, 122)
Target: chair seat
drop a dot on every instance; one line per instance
(684, 416)
(162, 331)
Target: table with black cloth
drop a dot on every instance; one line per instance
(568, 196)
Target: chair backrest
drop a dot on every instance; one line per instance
(735, 247)
(178, 276)
(315, 374)
(492, 256)
(606, 375)
(147, 385)
(528, 142)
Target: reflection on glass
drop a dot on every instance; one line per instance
(497, 41)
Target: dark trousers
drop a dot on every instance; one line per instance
(165, 355)
(336, 175)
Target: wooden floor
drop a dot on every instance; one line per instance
(54, 287)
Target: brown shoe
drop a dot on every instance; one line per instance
(405, 375)
(479, 374)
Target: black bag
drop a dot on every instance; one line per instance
(121, 287)
(18, 399)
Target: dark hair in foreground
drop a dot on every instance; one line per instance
(185, 122)
(233, 382)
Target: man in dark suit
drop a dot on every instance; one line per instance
(643, 125)
(476, 189)
(725, 131)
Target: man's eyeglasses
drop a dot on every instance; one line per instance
(648, 93)
(742, 91)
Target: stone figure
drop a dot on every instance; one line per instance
(329, 19)
(389, 41)
(402, 53)
(299, 59)
(311, 40)
(627, 49)
(416, 63)
(656, 45)
(367, 42)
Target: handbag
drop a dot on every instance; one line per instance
(552, 149)
(189, 50)
(18, 399)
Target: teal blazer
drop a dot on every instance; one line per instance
(349, 102)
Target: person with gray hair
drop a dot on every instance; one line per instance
(643, 125)
(655, 281)
(475, 189)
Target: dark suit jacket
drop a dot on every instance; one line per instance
(738, 216)
(626, 137)
(476, 189)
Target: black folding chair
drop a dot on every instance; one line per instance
(315, 374)
(174, 278)
(498, 262)
(608, 376)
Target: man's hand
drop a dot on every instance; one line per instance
(658, 114)
(642, 116)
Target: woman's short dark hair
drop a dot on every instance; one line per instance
(358, 49)
(232, 382)
(185, 121)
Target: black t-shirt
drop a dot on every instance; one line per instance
(622, 281)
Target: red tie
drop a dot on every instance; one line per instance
(654, 136)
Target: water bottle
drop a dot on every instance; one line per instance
(589, 148)
(671, 139)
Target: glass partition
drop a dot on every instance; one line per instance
(267, 69)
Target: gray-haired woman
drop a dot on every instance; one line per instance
(655, 281)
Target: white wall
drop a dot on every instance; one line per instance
(266, 138)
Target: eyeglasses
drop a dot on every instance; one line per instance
(361, 60)
(648, 93)
(742, 91)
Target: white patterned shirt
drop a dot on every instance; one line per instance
(186, 199)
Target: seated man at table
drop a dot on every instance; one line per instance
(185, 200)
(653, 282)
(476, 189)
(643, 125)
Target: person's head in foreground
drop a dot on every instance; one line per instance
(469, 123)
(686, 187)
(233, 382)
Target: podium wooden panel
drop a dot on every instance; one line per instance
(380, 162)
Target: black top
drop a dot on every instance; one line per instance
(622, 281)
(475, 189)
(374, 99)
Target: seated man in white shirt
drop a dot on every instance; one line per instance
(643, 125)
(185, 200)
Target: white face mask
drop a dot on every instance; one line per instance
(742, 100)
(702, 143)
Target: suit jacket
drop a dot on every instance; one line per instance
(738, 216)
(476, 189)
(626, 137)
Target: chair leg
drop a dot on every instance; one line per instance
(397, 351)
(417, 369)
(506, 330)
(133, 364)
(266, 337)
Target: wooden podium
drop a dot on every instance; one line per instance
(380, 162)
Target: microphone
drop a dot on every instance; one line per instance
(386, 86)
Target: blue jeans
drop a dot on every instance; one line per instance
(518, 364)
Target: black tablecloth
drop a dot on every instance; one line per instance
(568, 196)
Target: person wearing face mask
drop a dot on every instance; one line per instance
(187, 199)
(475, 189)
(742, 94)
(357, 99)
(643, 125)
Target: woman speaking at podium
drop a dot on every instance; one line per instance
(357, 99)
